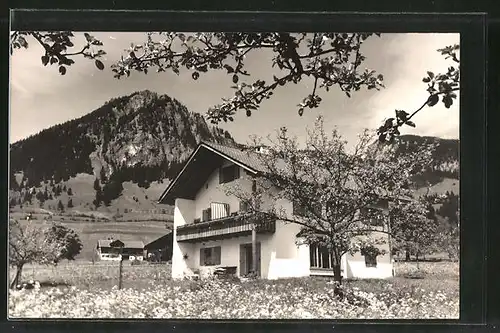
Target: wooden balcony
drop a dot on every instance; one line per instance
(226, 227)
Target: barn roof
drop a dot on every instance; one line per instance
(128, 244)
(161, 242)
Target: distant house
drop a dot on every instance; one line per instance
(208, 233)
(132, 250)
(161, 248)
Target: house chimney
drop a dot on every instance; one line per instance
(262, 149)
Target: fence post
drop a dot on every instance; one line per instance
(118, 245)
(120, 277)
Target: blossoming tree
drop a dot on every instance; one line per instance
(412, 227)
(31, 243)
(333, 185)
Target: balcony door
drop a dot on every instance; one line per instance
(246, 259)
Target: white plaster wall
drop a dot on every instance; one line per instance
(297, 266)
(212, 191)
(183, 214)
(285, 237)
(230, 253)
(288, 258)
(357, 267)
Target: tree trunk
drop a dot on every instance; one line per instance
(337, 275)
(17, 278)
(416, 255)
(407, 255)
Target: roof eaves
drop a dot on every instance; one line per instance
(213, 149)
(178, 175)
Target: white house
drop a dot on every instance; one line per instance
(131, 250)
(207, 235)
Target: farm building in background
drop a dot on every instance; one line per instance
(161, 248)
(132, 250)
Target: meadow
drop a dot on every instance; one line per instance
(82, 290)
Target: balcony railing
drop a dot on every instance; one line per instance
(226, 227)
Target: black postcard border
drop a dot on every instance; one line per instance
(472, 28)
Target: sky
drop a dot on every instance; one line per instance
(40, 97)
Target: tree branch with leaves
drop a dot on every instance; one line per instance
(442, 85)
(328, 59)
(58, 46)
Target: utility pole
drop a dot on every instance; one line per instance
(254, 226)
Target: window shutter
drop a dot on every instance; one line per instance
(258, 259)
(243, 262)
(243, 206)
(202, 257)
(217, 255)
(236, 172)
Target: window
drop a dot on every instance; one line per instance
(370, 253)
(373, 216)
(370, 260)
(210, 256)
(244, 206)
(320, 257)
(228, 174)
(299, 209)
(206, 215)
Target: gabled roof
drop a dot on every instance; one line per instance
(247, 158)
(127, 244)
(161, 242)
(203, 161)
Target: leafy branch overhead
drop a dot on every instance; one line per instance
(442, 86)
(327, 59)
(58, 46)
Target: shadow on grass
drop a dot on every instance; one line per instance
(49, 284)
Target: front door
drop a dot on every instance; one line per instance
(246, 259)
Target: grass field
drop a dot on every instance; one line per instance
(82, 290)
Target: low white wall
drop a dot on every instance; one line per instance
(287, 268)
(358, 269)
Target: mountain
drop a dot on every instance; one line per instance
(445, 155)
(119, 158)
(444, 172)
(130, 144)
